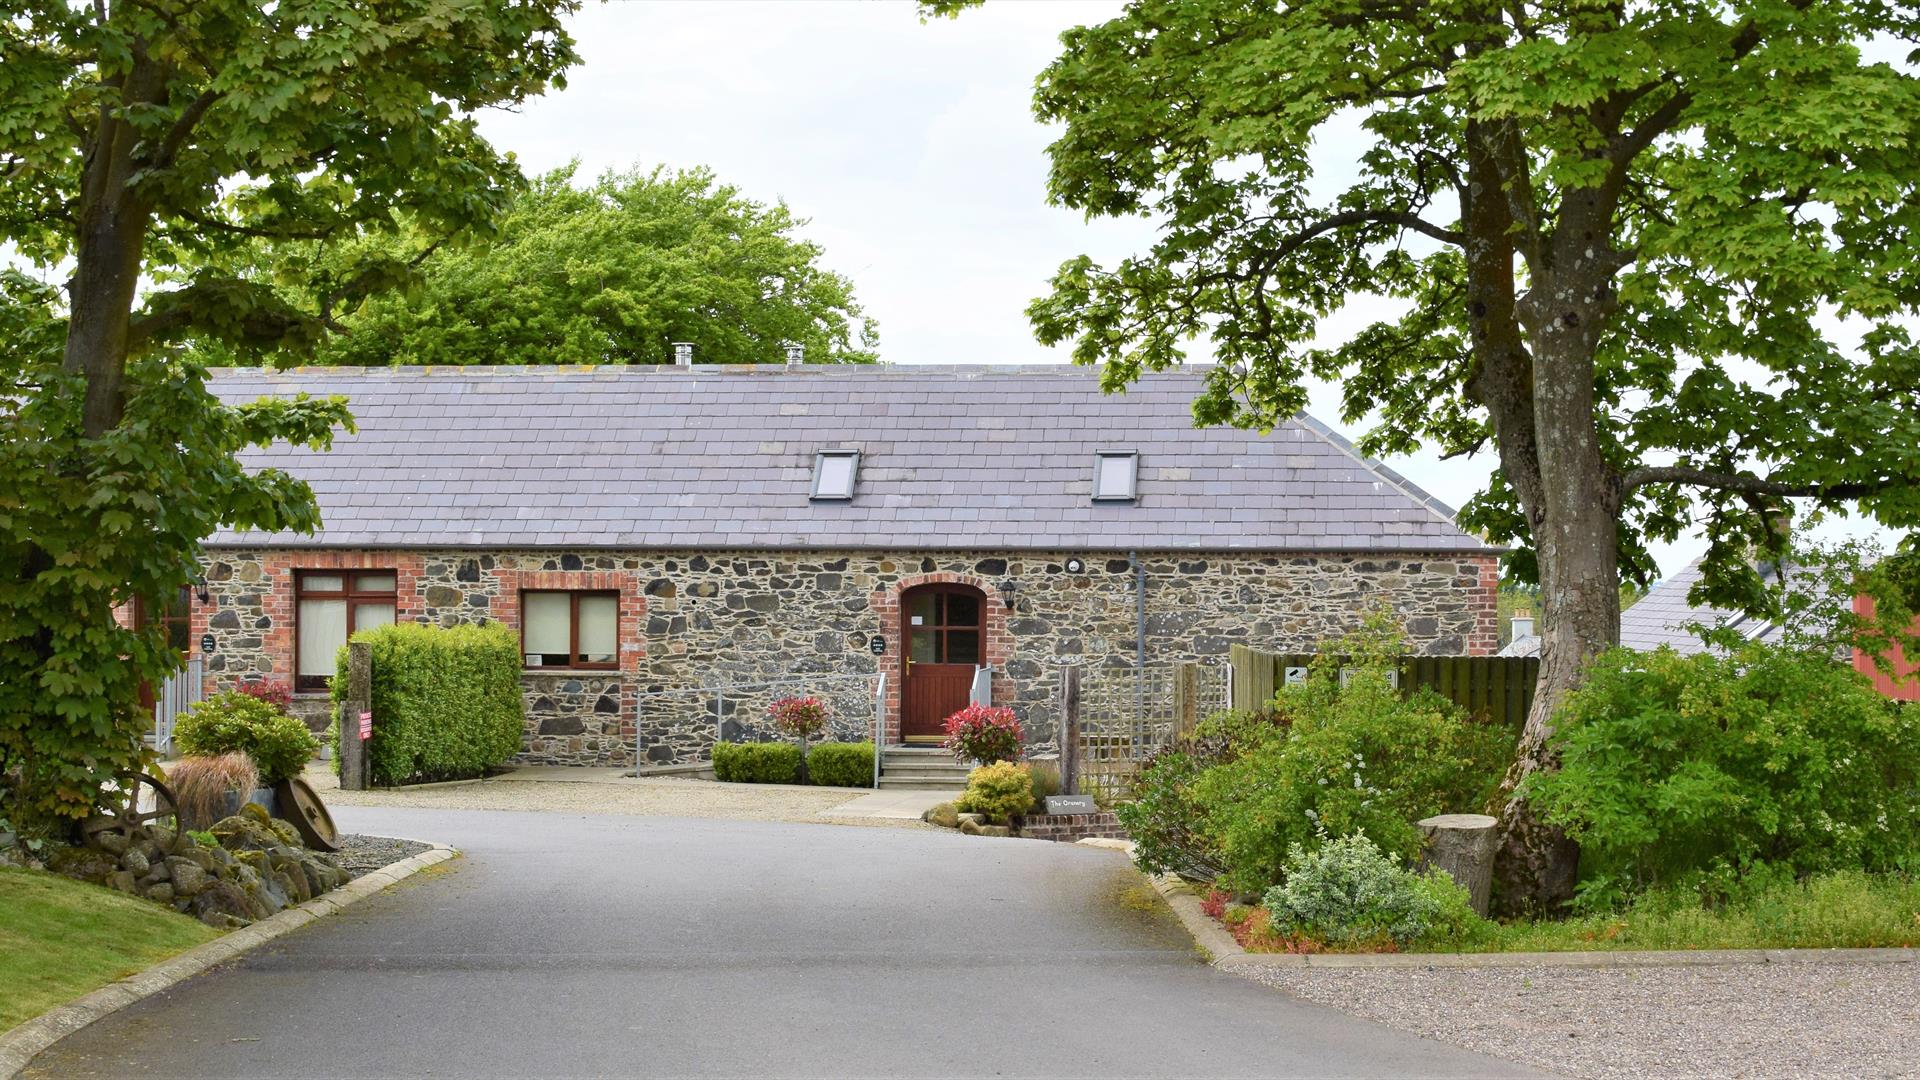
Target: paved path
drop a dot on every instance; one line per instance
(566, 945)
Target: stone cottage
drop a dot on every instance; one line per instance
(653, 531)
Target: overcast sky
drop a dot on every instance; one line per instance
(911, 148)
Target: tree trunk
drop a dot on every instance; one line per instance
(1576, 540)
(110, 244)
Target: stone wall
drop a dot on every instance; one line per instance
(701, 619)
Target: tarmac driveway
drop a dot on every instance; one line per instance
(566, 945)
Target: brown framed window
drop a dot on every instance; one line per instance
(329, 606)
(570, 629)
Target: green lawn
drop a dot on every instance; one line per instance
(61, 938)
(1833, 911)
(1844, 910)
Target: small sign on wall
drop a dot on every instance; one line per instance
(877, 645)
(1296, 675)
(366, 726)
(206, 644)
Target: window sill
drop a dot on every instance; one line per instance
(557, 670)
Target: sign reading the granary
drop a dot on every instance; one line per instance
(1071, 804)
(366, 726)
(1074, 566)
(206, 644)
(877, 644)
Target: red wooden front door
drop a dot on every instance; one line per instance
(943, 629)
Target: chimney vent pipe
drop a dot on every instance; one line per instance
(683, 354)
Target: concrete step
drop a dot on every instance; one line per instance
(948, 777)
(895, 783)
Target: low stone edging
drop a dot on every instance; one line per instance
(21, 1044)
(1223, 952)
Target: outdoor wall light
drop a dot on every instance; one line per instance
(1007, 589)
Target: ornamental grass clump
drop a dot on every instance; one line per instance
(202, 786)
(984, 733)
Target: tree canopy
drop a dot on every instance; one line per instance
(610, 273)
(1659, 257)
(142, 136)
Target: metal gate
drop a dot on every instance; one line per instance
(737, 712)
(182, 690)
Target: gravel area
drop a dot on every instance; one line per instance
(666, 796)
(1798, 1020)
(362, 855)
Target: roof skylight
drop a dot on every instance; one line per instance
(834, 474)
(1116, 475)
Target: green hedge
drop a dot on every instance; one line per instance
(446, 702)
(757, 763)
(841, 764)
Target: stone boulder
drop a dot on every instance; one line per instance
(259, 868)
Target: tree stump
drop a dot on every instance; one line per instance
(1463, 845)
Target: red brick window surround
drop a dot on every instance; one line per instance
(329, 606)
(624, 586)
(570, 628)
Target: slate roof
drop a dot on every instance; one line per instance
(989, 457)
(1661, 617)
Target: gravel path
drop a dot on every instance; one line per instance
(362, 855)
(665, 796)
(1798, 1020)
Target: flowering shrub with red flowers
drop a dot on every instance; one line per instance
(277, 694)
(984, 733)
(801, 717)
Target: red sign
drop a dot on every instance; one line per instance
(366, 726)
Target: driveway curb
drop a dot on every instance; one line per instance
(20, 1045)
(1223, 952)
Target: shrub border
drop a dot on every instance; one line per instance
(1224, 953)
(20, 1045)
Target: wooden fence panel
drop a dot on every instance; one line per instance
(1497, 688)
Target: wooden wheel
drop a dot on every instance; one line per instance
(134, 800)
(301, 805)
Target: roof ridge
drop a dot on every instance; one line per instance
(1078, 371)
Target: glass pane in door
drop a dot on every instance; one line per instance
(963, 647)
(963, 609)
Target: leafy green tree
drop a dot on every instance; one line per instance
(1613, 237)
(610, 274)
(137, 136)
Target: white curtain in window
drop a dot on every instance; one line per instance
(547, 618)
(599, 628)
(323, 629)
(368, 616)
